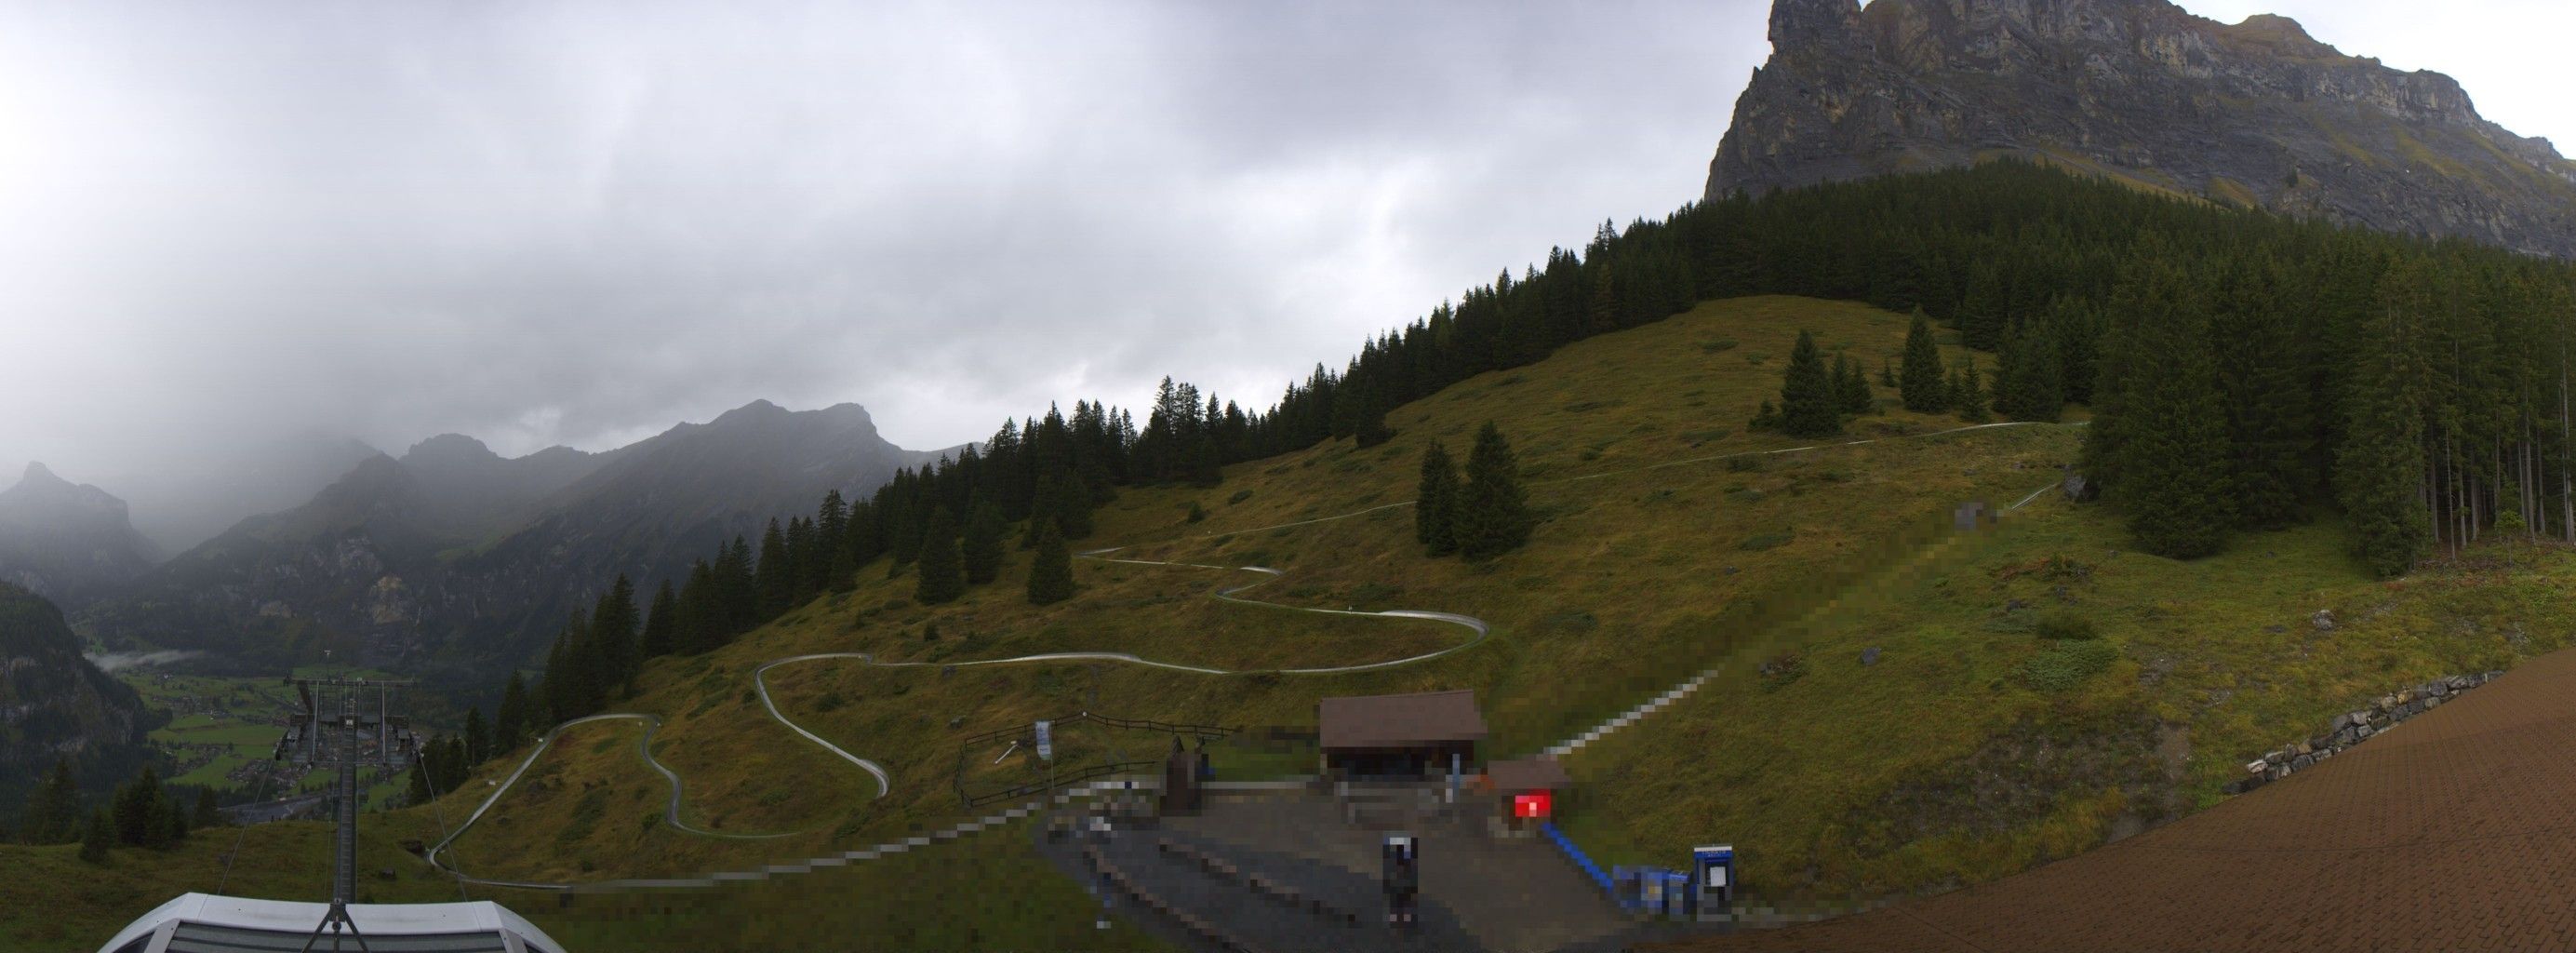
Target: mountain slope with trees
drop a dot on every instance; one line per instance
(59, 707)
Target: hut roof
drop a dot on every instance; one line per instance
(1397, 721)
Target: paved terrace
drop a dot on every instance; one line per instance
(2453, 831)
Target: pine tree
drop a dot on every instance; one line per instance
(52, 815)
(1968, 394)
(510, 723)
(777, 579)
(701, 626)
(1808, 405)
(661, 624)
(142, 814)
(1768, 418)
(1435, 504)
(2026, 377)
(207, 814)
(418, 793)
(943, 568)
(1604, 310)
(831, 535)
(1493, 515)
(1051, 576)
(478, 739)
(1207, 465)
(841, 570)
(452, 768)
(2175, 480)
(612, 631)
(1886, 373)
(1851, 388)
(736, 591)
(982, 547)
(177, 816)
(2379, 469)
(1072, 511)
(1982, 317)
(2272, 448)
(903, 536)
(570, 672)
(1923, 385)
(867, 536)
(804, 562)
(97, 835)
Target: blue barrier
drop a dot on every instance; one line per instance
(1585, 863)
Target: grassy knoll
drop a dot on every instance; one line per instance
(1976, 746)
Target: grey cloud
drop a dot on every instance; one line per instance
(568, 222)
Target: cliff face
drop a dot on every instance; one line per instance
(2255, 113)
(55, 704)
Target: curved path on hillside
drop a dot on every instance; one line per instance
(643, 747)
(2454, 830)
(760, 682)
(883, 778)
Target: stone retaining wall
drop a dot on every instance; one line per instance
(2354, 727)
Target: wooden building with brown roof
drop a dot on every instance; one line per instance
(1413, 736)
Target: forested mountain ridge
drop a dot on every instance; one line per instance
(446, 559)
(55, 704)
(2257, 113)
(68, 542)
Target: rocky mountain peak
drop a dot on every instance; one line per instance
(2256, 113)
(757, 410)
(38, 474)
(2281, 33)
(66, 541)
(42, 498)
(1798, 25)
(450, 449)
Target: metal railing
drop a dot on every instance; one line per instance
(1063, 780)
(1581, 860)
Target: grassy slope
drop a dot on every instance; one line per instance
(1625, 589)
(1943, 764)
(1848, 780)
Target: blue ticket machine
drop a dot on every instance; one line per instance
(1713, 878)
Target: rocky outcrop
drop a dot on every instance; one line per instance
(71, 544)
(2258, 113)
(2354, 727)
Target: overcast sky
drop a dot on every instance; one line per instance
(541, 222)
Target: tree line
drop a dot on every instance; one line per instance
(142, 812)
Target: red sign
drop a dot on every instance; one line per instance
(1534, 806)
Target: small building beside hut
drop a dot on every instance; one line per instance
(1527, 792)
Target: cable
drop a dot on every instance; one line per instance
(238, 838)
(431, 782)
